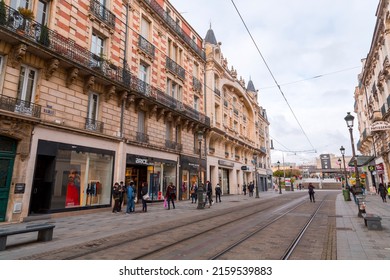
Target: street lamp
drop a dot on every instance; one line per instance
(349, 120)
(339, 163)
(280, 187)
(342, 150)
(200, 192)
(255, 163)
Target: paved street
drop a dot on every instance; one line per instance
(354, 240)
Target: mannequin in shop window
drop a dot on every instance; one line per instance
(73, 189)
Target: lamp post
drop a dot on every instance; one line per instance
(255, 163)
(342, 150)
(200, 192)
(280, 187)
(339, 163)
(349, 120)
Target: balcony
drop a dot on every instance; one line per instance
(102, 13)
(155, 6)
(146, 47)
(20, 106)
(41, 37)
(173, 145)
(142, 137)
(175, 68)
(94, 125)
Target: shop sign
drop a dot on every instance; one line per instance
(371, 168)
(380, 168)
(143, 161)
(380, 125)
(226, 163)
(20, 187)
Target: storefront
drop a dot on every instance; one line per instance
(189, 174)
(70, 177)
(224, 169)
(156, 173)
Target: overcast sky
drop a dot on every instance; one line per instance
(299, 40)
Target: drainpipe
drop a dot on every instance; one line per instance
(125, 66)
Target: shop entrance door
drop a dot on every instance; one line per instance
(7, 158)
(42, 188)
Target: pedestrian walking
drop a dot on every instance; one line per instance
(218, 192)
(130, 198)
(209, 193)
(251, 188)
(144, 192)
(244, 189)
(388, 190)
(382, 191)
(194, 193)
(170, 195)
(115, 196)
(311, 192)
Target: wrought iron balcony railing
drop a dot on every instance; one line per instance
(175, 68)
(146, 46)
(173, 145)
(102, 13)
(142, 137)
(69, 49)
(94, 125)
(155, 6)
(20, 106)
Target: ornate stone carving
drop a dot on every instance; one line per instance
(89, 82)
(51, 66)
(130, 100)
(110, 91)
(20, 131)
(122, 97)
(72, 76)
(17, 54)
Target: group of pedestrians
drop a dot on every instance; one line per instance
(250, 188)
(120, 191)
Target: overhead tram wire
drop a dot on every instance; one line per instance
(272, 75)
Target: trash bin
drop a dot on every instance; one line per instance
(361, 205)
(347, 195)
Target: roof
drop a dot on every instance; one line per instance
(361, 160)
(210, 37)
(250, 86)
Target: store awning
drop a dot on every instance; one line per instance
(361, 160)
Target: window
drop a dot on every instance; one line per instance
(93, 106)
(15, 4)
(27, 83)
(175, 90)
(143, 75)
(1, 64)
(42, 12)
(195, 70)
(196, 103)
(141, 122)
(145, 28)
(168, 133)
(97, 48)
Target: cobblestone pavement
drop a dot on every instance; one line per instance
(354, 240)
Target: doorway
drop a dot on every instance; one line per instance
(7, 158)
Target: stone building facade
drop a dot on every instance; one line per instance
(96, 92)
(372, 101)
(238, 142)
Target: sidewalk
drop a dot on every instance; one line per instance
(354, 240)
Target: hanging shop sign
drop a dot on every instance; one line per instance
(380, 125)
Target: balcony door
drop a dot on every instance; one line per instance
(26, 89)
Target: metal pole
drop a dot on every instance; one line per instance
(257, 188)
(354, 159)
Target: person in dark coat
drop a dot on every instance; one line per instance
(382, 191)
(115, 196)
(311, 192)
(144, 191)
(218, 192)
(209, 192)
(170, 195)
